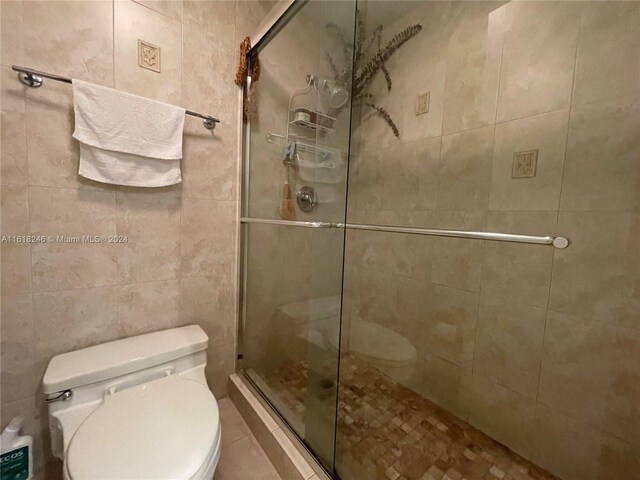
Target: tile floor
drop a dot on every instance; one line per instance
(388, 432)
(241, 458)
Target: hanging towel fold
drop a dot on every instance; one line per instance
(126, 139)
(125, 169)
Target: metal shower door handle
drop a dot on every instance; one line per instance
(557, 242)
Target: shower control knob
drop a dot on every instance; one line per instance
(306, 199)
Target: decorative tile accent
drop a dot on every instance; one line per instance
(525, 164)
(388, 432)
(148, 56)
(422, 103)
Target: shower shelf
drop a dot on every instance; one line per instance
(311, 126)
(302, 145)
(312, 120)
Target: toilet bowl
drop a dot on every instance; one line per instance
(137, 408)
(379, 347)
(317, 322)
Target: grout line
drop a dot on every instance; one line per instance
(535, 115)
(250, 434)
(553, 255)
(488, 200)
(181, 203)
(75, 189)
(495, 116)
(106, 285)
(44, 292)
(113, 42)
(32, 307)
(440, 166)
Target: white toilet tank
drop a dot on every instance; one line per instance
(82, 380)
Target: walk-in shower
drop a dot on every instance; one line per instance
(452, 289)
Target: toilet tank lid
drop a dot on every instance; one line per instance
(112, 359)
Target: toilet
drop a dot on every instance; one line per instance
(379, 347)
(137, 408)
(317, 320)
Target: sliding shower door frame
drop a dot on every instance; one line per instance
(243, 230)
(245, 137)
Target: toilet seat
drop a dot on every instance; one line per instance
(165, 429)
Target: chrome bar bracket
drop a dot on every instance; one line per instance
(30, 79)
(209, 123)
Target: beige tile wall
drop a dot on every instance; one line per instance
(540, 348)
(179, 265)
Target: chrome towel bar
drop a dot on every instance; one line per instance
(34, 79)
(557, 242)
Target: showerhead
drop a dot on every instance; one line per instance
(335, 94)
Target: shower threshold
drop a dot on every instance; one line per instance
(388, 432)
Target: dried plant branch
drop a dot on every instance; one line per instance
(387, 75)
(381, 112)
(376, 35)
(332, 66)
(364, 74)
(338, 32)
(379, 59)
(347, 49)
(360, 32)
(363, 95)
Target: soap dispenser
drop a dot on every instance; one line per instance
(16, 460)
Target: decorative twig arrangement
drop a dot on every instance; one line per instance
(366, 70)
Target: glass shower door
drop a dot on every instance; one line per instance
(486, 358)
(484, 319)
(297, 141)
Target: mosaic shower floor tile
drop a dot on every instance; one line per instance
(388, 432)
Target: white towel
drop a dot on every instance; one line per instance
(125, 169)
(126, 139)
